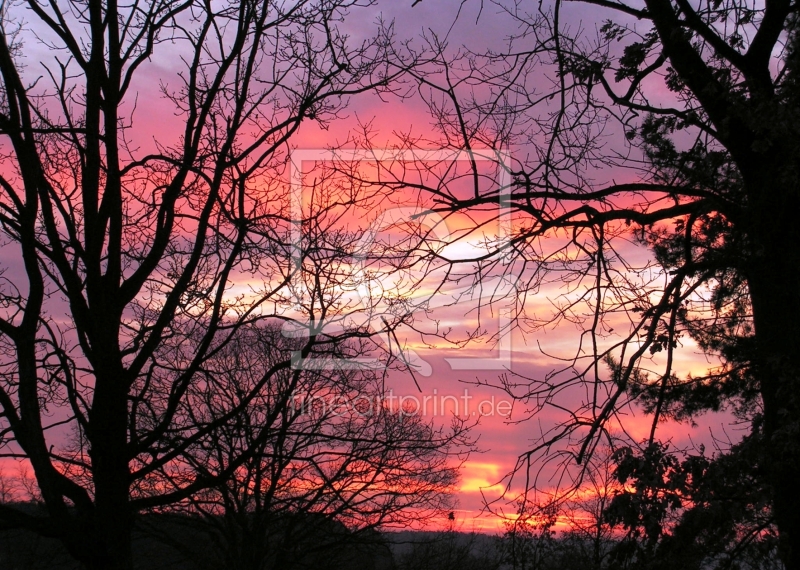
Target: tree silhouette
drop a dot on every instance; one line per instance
(337, 463)
(132, 258)
(663, 124)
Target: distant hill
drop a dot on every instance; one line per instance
(170, 542)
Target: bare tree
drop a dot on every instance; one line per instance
(667, 126)
(529, 539)
(124, 258)
(337, 463)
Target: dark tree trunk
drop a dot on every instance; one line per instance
(113, 524)
(113, 520)
(773, 277)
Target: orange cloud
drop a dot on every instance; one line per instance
(482, 478)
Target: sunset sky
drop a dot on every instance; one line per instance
(533, 355)
(500, 438)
